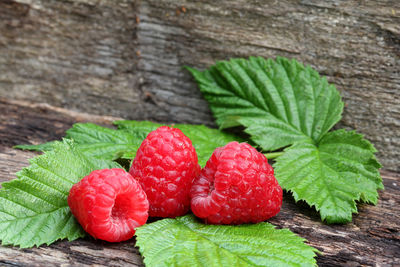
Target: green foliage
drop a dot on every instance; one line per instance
(204, 139)
(332, 176)
(186, 242)
(283, 103)
(102, 142)
(105, 143)
(96, 141)
(40, 147)
(278, 101)
(34, 208)
(140, 129)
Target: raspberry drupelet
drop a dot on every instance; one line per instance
(109, 204)
(165, 165)
(236, 186)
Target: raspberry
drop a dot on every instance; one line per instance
(109, 204)
(236, 186)
(165, 165)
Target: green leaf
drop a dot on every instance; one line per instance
(186, 242)
(34, 208)
(332, 176)
(40, 147)
(279, 101)
(204, 139)
(99, 142)
(139, 129)
(104, 143)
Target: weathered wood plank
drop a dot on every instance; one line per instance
(83, 252)
(372, 239)
(24, 122)
(95, 56)
(356, 44)
(77, 54)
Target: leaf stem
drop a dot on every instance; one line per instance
(273, 155)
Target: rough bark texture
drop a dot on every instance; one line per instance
(75, 54)
(125, 57)
(372, 239)
(356, 44)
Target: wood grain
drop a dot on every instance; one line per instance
(372, 239)
(124, 58)
(75, 54)
(356, 44)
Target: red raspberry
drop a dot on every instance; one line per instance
(165, 165)
(109, 204)
(236, 186)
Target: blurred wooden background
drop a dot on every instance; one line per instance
(124, 57)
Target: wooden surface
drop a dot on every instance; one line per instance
(372, 239)
(124, 57)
